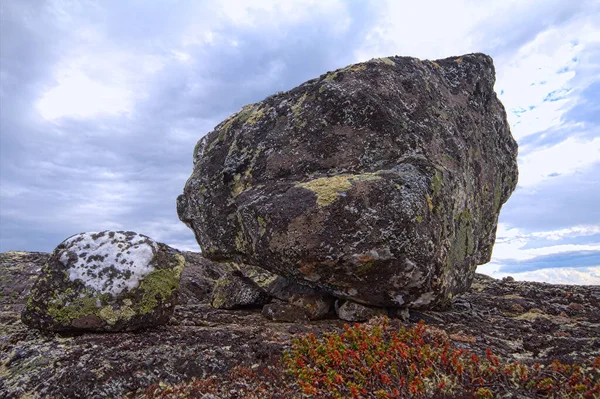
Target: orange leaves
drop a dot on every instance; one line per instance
(376, 361)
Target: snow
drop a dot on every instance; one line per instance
(109, 262)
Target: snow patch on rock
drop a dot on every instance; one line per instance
(109, 262)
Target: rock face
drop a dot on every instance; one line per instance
(380, 182)
(234, 291)
(107, 281)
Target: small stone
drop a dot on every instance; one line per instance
(234, 291)
(515, 307)
(576, 306)
(508, 279)
(284, 312)
(399, 313)
(352, 311)
(315, 306)
(107, 281)
(283, 288)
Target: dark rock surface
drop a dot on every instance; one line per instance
(107, 281)
(352, 311)
(380, 182)
(531, 322)
(234, 291)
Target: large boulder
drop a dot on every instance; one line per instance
(380, 182)
(107, 281)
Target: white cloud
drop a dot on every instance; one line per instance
(565, 158)
(77, 95)
(538, 83)
(510, 242)
(587, 276)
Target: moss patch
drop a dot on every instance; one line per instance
(385, 60)
(159, 284)
(328, 189)
(436, 183)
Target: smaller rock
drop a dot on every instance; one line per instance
(399, 313)
(284, 312)
(315, 306)
(508, 279)
(234, 290)
(575, 306)
(107, 281)
(352, 311)
(283, 288)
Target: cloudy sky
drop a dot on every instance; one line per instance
(101, 103)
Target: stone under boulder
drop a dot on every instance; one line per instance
(107, 281)
(379, 183)
(234, 291)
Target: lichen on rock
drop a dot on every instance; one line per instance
(399, 153)
(107, 281)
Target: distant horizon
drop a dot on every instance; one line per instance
(101, 105)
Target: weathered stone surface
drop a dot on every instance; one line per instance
(315, 306)
(234, 291)
(107, 281)
(380, 182)
(200, 341)
(284, 312)
(352, 311)
(282, 289)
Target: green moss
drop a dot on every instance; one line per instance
(74, 309)
(112, 316)
(240, 238)
(328, 189)
(419, 218)
(297, 111)
(464, 242)
(219, 299)
(365, 267)
(159, 285)
(331, 76)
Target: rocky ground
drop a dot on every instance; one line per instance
(530, 322)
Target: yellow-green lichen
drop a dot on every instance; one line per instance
(219, 299)
(364, 268)
(112, 316)
(262, 226)
(331, 76)
(240, 238)
(498, 194)
(297, 111)
(159, 285)
(64, 313)
(464, 241)
(328, 189)
(429, 202)
(385, 60)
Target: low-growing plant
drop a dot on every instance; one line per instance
(377, 361)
